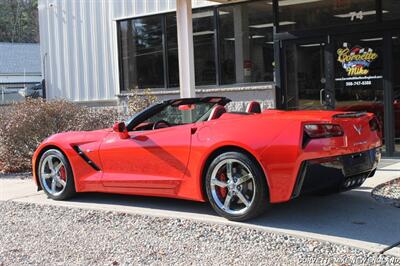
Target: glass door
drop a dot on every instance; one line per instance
(359, 72)
(305, 74)
(396, 87)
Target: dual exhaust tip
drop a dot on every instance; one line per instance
(354, 181)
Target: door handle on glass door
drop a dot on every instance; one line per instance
(321, 93)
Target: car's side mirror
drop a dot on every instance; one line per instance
(120, 128)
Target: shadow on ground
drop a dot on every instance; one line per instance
(354, 214)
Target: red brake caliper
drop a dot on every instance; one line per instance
(222, 190)
(63, 175)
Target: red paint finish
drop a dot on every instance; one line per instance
(170, 162)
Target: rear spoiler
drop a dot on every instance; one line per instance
(350, 115)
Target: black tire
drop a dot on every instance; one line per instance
(68, 190)
(260, 197)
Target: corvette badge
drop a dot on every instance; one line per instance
(358, 129)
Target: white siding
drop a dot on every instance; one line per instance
(78, 42)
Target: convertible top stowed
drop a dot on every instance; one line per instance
(183, 101)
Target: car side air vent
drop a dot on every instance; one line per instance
(351, 115)
(86, 158)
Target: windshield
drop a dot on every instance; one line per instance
(181, 114)
(173, 115)
(174, 112)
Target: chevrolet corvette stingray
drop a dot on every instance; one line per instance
(194, 149)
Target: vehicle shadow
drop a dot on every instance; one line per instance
(354, 214)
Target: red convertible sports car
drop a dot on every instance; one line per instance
(194, 149)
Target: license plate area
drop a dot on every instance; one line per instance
(357, 163)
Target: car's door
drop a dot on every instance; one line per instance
(152, 159)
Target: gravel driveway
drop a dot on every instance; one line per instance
(48, 235)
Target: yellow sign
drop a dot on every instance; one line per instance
(356, 61)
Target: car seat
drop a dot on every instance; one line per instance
(216, 112)
(253, 107)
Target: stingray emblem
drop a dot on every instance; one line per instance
(358, 129)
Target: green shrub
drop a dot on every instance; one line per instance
(23, 126)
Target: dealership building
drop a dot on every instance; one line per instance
(287, 54)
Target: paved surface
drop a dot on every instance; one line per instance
(352, 218)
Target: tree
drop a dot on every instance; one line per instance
(19, 21)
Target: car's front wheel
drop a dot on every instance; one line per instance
(55, 175)
(236, 186)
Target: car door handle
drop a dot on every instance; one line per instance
(193, 130)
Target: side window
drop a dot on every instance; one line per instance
(182, 114)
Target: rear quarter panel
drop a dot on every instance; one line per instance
(275, 140)
(258, 135)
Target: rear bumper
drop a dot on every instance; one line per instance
(336, 173)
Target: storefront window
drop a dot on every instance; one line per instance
(227, 45)
(148, 47)
(390, 9)
(396, 87)
(246, 43)
(204, 47)
(359, 74)
(141, 53)
(300, 15)
(172, 51)
(305, 74)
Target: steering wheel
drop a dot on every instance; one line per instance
(160, 122)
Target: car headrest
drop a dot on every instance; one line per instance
(216, 112)
(253, 107)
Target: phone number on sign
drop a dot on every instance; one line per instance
(359, 83)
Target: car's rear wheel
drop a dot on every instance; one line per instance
(55, 175)
(236, 186)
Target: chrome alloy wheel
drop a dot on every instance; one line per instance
(232, 186)
(53, 175)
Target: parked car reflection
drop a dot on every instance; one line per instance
(377, 108)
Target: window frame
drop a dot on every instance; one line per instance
(163, 16)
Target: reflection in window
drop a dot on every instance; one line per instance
(142, 53)
(149, 47)
(359, 72)
(390, 9)
(298, 15)
(203, 42)
(246, 43)
(172, 50)
(396, 88)
(227, 45)
(359, 75)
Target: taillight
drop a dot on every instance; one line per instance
(317, 131)
(374, 124)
